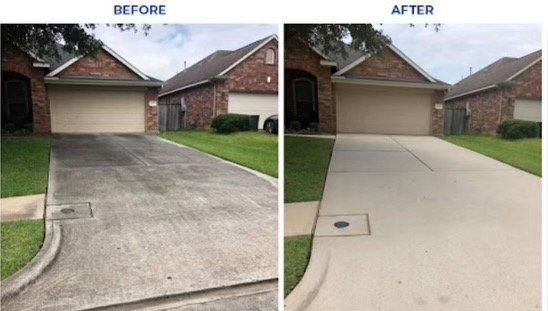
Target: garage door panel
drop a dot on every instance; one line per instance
(264, 105)
(92, 110)
(530, 110)
(363, 110)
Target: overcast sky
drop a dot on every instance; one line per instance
(161, 54)
(446, 54)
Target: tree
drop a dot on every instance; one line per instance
(43, 39)
(330, 38)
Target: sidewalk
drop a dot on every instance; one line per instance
(22, 207)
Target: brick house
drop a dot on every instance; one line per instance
(509, 88)
(386, 93)
(242, 81)
(77, 94)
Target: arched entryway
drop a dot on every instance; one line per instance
(16, 101)
(301, 97)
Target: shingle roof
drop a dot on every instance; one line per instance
(495, 73)
(209, 67)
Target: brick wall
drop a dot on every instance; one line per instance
(151, 112)
(252, 74)
(300, 57)
(436, 123)
(388, 65)
(101, 66)
(199, 103)
(529, 83)
(18, 62)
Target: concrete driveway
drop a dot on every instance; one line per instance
(431, 226)
(155, 223)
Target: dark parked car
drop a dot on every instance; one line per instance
(271, 124)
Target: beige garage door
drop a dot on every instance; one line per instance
(263, 105)
(383, 110)
(527, 109)
(96, 110)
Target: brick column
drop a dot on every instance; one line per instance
(436, 127)
(151, 112)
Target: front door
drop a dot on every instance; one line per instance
(304, 100)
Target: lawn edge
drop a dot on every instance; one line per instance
(272, 180)
(15, 283)
(490, 157)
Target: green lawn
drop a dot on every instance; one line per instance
(297, 254)
(21, 240)
(25, 164)
(256, 150)
(525, 154)
(306, 163)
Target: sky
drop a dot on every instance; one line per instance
(449, 53)
(446, 54)
(161, 53)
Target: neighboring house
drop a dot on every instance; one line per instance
(384, 94)
(243, 81)
(77, 94)
(509, 88)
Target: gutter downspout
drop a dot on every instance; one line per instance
(214, 98)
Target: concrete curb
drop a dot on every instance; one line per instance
(270, 179)
(327, 136)
(43, 259)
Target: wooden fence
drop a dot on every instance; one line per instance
(454, 121)
(168, 115)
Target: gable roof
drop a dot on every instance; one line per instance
(355, 57)
(213, 66)
(67, 59)
(503, 70)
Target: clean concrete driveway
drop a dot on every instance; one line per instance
(164, 220)
(447, 229)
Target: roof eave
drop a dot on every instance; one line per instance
(184, 87)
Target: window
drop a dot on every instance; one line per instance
(270, 56)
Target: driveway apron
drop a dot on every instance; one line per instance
(143, 218)
(429, 226)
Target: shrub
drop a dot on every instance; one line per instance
(314, 127)
(518, 129)
(229, 123)
(295, 126)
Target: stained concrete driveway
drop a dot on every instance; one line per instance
(432, 226)
(153, 220)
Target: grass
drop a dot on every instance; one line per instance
(25, 165)
(256, 150)
(525, 154)
(21, 240)
(297, 254)
(306, 163)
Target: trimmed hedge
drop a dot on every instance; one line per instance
(518, 129)
(230, 122)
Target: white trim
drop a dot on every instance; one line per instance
(247, 55)
(351, 65)
(372, 82)
(40, 65)
(328, 63)
(63, 66)
(412, 63)
(399, 53)
(471, 92)
(184, 87)
(108, 50)
(525, 68)
(125, 62)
